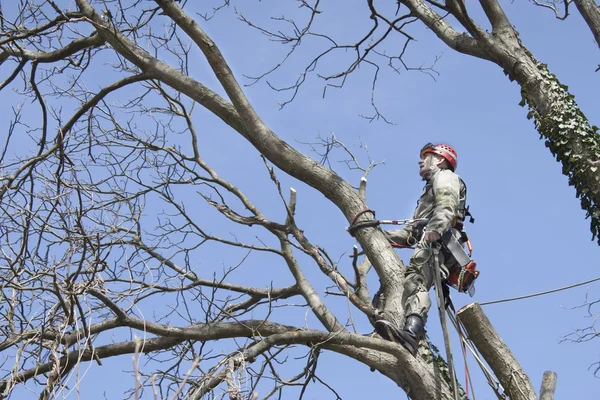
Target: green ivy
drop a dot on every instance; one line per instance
(564, 128)
(434, 356)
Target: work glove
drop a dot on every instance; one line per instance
(418, 226)
(431, 236)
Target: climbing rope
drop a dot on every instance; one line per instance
(540, 293)
(468, 380)
(492, 381)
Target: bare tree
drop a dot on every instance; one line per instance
(81, 257)
(86, 251)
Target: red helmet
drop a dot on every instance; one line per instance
(443, 150)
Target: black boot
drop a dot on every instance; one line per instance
(387, 330)
(412, 333)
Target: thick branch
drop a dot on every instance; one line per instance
(311, 338)
(496, 353)
(497, 17)
(360, 273)
(461, 42)
(268, 334)
(458, 8)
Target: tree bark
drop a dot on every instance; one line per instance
(515, 381)
(591, 14)
(548, 386)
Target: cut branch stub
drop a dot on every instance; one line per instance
(548, 386)
(495, 352)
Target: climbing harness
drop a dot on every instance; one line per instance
(462, 269)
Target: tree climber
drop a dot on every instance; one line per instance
(440, 212)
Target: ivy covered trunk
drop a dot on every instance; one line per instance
(564, 127)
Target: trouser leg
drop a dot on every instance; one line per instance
(418, 281)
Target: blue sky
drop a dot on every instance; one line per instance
(530, 234)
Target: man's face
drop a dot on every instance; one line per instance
(429, 160)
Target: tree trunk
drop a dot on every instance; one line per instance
(591, 14)
(479, 329)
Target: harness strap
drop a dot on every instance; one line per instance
(463, 208)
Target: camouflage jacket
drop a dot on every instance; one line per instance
(442, 202)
